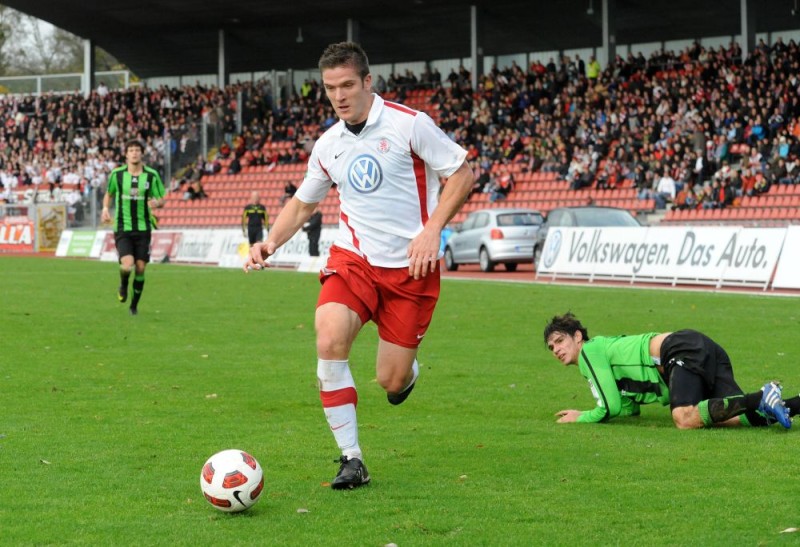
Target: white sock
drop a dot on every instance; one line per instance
(414, 376)
(337, 391)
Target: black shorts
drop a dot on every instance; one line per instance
(136, 244)
(696, 368)
(255, 234)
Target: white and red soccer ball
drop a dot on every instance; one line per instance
(232, 480)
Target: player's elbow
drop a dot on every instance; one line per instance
(606, 417)
(612, 412)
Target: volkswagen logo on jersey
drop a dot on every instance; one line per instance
(365, 174)
(552, 246)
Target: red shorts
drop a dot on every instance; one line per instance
(400, 305)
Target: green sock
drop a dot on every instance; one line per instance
(702, 408)
(713, 411)
(138, 287)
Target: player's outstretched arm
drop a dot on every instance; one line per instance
(568, 416)
(290, 219)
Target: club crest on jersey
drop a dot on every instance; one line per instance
(365, 174)
(383, 146)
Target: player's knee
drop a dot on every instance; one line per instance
(330, 346)
(392, 382)
(391, 385)
(686, 417)
(683, 424)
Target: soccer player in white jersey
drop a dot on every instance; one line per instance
(386, 161)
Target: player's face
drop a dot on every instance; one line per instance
(133, 155)
(350, 96)
(565, 348)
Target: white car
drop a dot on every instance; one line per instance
(492, 236)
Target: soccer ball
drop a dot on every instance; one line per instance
(232, 480)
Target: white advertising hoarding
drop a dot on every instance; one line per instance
(720, 255)
(671, 254)
(787, 276)
(293, 253)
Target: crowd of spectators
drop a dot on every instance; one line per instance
(696, 128)
(702, 120)
(54, 141)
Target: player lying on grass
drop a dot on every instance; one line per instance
(685, 368)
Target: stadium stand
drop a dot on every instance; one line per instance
(701, 118)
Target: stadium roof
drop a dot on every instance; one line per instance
(180, 37)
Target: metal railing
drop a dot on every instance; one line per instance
(62, 83)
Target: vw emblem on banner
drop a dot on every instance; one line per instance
(365, 174)
(551, 248)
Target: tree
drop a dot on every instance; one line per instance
(9, 21)
(27, 46)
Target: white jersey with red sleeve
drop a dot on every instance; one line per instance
(387, 177)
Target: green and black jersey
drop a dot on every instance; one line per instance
(131, 194)
(622, 376)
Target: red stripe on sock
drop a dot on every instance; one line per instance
(339, 397)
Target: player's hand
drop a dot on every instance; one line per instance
(423, 253)
(567, 416)
(105, 216)
(259, 253)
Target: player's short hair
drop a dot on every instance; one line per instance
(134, 142)
(345, 54)
(568, 324)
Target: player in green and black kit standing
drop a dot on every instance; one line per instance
(136, 189)
(254, 219)
(685, 369)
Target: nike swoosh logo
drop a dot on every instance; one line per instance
(236, 495)
(336, 157)
(339, 426)
(419, 336)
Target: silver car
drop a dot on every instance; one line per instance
(492, 236)
(581, 217)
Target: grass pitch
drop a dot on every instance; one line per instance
(107, 419)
